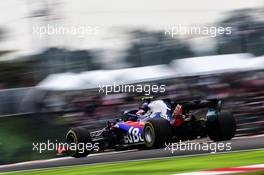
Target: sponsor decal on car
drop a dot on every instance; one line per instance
(134, 135)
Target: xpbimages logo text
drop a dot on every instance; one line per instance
(212, 147)
(41, 147)
(212, 31)
(147, 89)
(55, 29)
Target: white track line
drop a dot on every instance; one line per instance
(248, 137)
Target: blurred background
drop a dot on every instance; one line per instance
(49, 81)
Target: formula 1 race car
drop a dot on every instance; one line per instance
(129, 131)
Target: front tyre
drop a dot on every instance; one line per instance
(156, 133)
(79, 137)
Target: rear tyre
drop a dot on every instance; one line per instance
(156, 133)
(223, 128)
(80, 137)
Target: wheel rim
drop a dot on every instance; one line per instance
(149, 135)
(71, 139)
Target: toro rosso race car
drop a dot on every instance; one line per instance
(132, 130)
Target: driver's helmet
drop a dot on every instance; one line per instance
(144, 106)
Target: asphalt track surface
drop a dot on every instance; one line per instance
(237, 144)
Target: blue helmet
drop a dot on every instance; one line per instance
(146, 101)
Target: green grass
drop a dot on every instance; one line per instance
(159, 167)
(253, 173)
